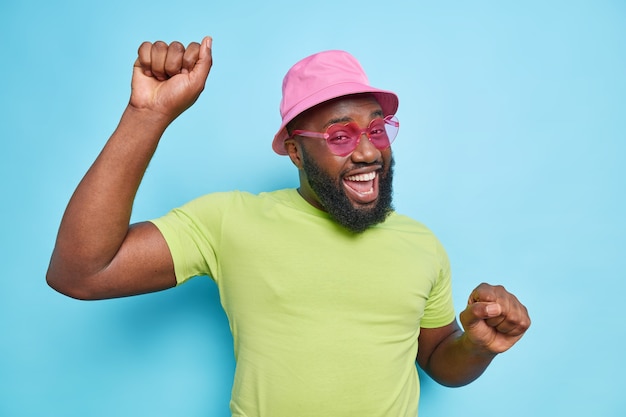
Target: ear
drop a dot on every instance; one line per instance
(294, 152)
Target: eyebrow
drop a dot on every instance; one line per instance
(374, 114)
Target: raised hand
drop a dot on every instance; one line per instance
(168, 79)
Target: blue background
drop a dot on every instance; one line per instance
(511, 150)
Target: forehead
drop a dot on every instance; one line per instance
(360, 108)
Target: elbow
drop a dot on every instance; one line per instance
(455, 377)
(456, 382)
(67, 285)
(453, 380)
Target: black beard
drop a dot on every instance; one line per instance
(335, 201)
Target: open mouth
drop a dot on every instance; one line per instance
(362, 188)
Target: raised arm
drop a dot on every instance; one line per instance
(97, 254)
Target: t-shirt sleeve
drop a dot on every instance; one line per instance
(439, 310)
(192, 233)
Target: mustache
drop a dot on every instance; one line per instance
(382, 166)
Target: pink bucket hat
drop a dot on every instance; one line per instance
(322, 77)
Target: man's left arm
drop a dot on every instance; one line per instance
(494, 320)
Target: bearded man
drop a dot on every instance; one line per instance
(331, 295)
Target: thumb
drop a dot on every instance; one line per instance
(477, 312)
(205, 58)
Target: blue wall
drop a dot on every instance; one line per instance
(512, 149)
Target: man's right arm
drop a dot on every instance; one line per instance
(97, 254)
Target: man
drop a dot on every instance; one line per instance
(328, 291)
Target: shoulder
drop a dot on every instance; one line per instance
(405, 224)
(403, 229)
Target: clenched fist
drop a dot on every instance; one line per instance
(494, 318)
(168, 79)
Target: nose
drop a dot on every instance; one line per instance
(365, 151)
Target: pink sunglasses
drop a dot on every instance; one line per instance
(342, 139)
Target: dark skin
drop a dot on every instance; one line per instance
(98, 254)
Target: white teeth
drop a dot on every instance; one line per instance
(362, 177)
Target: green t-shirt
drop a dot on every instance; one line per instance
(325, 322)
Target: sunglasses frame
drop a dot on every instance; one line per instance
(391, 124)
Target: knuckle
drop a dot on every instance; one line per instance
(177, 46)
(144, 45)
(159, 46)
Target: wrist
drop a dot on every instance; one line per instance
(475, 349)
(147, 117)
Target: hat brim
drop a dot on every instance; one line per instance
(388, 102)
